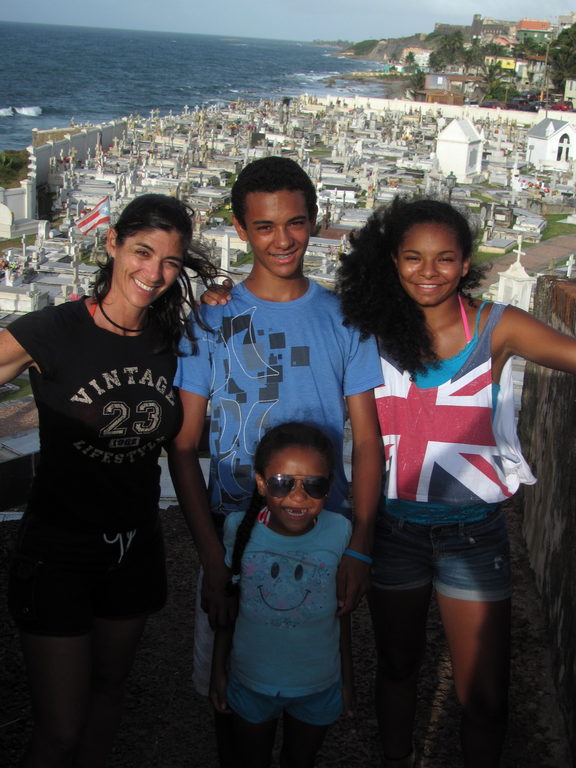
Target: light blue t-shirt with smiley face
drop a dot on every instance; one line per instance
(287, 635)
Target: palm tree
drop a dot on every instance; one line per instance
(528, 47)
(452, 45)
(448, 51)
(436, 62)
(472, 57)
(417, 81)
(491, 81)
(562, 57)
(410, 61)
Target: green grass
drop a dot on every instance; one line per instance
(555, 227)
(483, 257)
(483, 198)
(363, 47)
(225, 212)
(16, 242)
(13, 167)
(24, 389)
(246, 258)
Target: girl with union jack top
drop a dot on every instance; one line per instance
(452, 457)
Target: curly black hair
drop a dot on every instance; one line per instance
(291, 433)
(272, 174)
(371, 296)
(153, 211)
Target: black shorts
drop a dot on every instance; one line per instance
(60, 580)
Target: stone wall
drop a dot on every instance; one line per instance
(370, 104)
(548, 434)
(39, 138)
(22, 202)
(79, 140)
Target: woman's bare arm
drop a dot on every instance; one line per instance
(518, 333)
(13, 357)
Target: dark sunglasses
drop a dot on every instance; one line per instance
(316, 486)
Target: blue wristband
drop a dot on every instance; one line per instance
(358, 556)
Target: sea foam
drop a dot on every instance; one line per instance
(28, 111)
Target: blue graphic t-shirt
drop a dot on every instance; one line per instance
(269, 362)
(287, 636)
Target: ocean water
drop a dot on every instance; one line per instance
(51, 74)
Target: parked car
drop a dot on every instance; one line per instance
(491, 104)
(562, 106)
(521, 104)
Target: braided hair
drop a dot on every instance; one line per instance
(287, 435)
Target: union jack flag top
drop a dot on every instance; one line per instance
(100, 214)
(440, 442)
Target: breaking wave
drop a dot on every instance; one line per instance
(24, 111)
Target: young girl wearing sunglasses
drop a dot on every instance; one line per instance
(289, 652)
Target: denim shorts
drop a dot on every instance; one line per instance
(466, 561)
(321, 708)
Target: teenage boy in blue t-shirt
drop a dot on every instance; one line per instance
(277, 351)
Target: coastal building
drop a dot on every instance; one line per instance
(459, 151)
(420, 56)
(566, 20)
(18, 210)
(540, 31)
(444, 88)
(570, 91)
(551, 144)
(532, 71)
(487, 30)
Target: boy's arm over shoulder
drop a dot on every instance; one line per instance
(218, 294)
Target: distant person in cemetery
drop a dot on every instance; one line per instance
(452, 457)
(277, 351)
(89, 562)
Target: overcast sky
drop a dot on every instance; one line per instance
(279, 19)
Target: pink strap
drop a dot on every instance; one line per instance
(464, 319)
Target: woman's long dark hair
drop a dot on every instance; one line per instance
(292, 433)
(371, 296)
(171, 310)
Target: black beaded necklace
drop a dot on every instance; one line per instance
(121, 327)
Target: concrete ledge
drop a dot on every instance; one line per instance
(548, 434)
